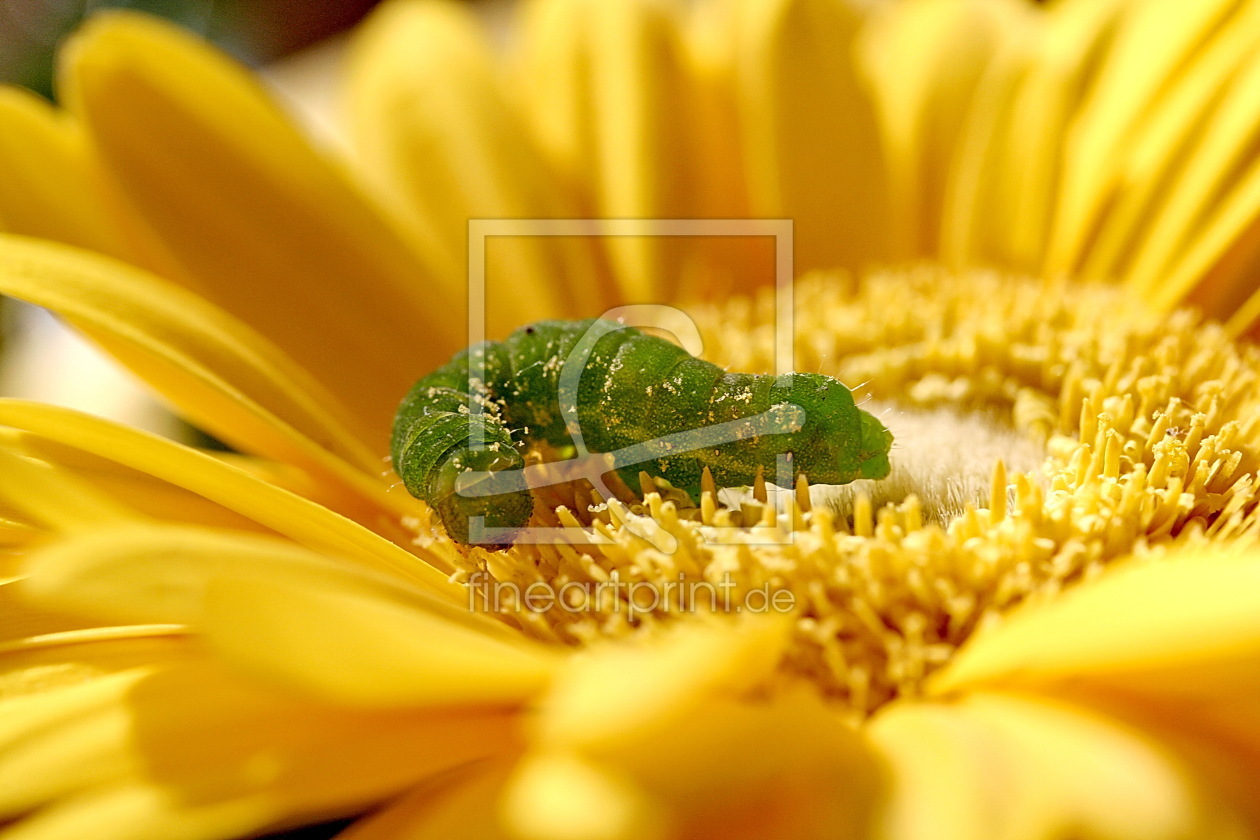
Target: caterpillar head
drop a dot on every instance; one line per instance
(876, 442)
(838, 442)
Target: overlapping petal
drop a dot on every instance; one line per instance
(267, 228)
(174, 753)
(927, 59)
(35, 665)
(290, 615)
(1170, 645)
(437, 137)
(993, 765)
(809, 130)
(221, 373)
(1155, 44)
(51, 189)
(158, 466)
(645, 733)
(607, 89)
(462, 804)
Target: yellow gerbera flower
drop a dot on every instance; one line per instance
(1044, 624)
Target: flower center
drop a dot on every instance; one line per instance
(1041, 433)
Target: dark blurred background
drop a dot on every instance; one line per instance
(255, 31)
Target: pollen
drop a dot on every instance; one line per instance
(1043, 432)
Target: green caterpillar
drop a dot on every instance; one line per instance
(459, 434)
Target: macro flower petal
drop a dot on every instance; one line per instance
(215, 369)
(429, 117)
(780, 767)
(159, 573)
(269, 229)
(51, 189)
(1139, 184)
(819, 164)
(463, 804)
(291, 615)
(1214, 186)
(20, 621)
(636, 685)
(55, 500)
(994, 765)
(185, 742)
(63, 739)
(1171, 645)
(138, 812)
(562, 797)
(1198, 606)
(926, 59)
(1153, 43)
(645, 728)
(607, 90)
(42, 664)
(213, 479)
(359, 648)
(1001, 197)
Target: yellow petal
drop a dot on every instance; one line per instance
(356, 647)
(660, 727)
(974, 226)
(50, 189)
(464, 805)
(719, 266)
(1004, 191)
(1199, 606)
(41, 664)
(357, 637)
(218, 372)
(20, 621)
(1159, 152)
(62, 739)
(784, 767)
(809, 130)
(303, 521)
(54, 499)
(271, 231)
(76, 754)
(138, 491)
(1217, 170)
(210, 756)
(926, 59)
(607, 85)
(145, 573)
(14, 532)
(432, 124)
(1216, 272)
(1170, 644)
(561, 797)
(1025, 769)
(1152, 46)
(608, 694)
(1031, 151)
(318, 754)
(135, 812)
